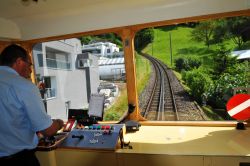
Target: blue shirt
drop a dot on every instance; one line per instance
(22, 113)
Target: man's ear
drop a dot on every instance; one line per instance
(19, 60)
(16, 64)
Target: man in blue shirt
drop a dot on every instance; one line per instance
(22, 112)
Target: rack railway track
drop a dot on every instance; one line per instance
(167, 100)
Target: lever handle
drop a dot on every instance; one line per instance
(78, 136)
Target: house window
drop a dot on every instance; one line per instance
(92, 51)
(57, 60)
(50, 86)
(40, 59)
(85, 63)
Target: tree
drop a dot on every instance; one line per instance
(203, 32)
(143, 38)
(239, 29)
(187, 63)
(86, 39)
(110, 37)
(221, 31)
(222, 61)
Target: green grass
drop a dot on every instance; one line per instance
(117, 110)
(143, 70)
(182, 46)
(120, 106)
(210, 113)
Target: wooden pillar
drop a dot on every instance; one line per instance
(28, 47)
(3, 44)
(128, 35)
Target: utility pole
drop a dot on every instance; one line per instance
(171, 54)
(153, 42)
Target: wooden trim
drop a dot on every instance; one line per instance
(193, 123)
(129, 57)
(28, 47)
(186, 123)
(192, 19)
(3, 44)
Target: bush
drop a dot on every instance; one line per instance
(222, 90)
(179, 64)
(143, 38)
(198, 82)
(111, 116)
(187, 64)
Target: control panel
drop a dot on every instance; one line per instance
(96, 136)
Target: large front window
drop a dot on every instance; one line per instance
(72, 77)
(189, 71)
(57, 60)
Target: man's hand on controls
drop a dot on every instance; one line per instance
(60, 123)
(56, 125)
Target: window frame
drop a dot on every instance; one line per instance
(134, 28)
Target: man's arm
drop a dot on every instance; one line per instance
(56, 125)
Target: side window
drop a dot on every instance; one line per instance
(50, 87)
(40, 59)
(72, 75)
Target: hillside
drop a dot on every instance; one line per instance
(182, 45)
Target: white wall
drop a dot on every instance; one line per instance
(71, 86)
(111, 71)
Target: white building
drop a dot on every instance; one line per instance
(112, 69)
(111, 61)
(101, 49)
(66, 84)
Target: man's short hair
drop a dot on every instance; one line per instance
(10, 54)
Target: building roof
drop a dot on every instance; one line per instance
(112, 61)
(242, 54)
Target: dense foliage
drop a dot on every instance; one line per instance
(143, 38)
(216, 31)
(222, 60)
(198, 82)
(187, 64)
(109, 37)
(216, 86)
(221, 91)
(203, 32)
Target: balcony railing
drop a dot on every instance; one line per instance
(58, 64)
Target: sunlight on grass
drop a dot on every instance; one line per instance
(143, 71)
(120, 106)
